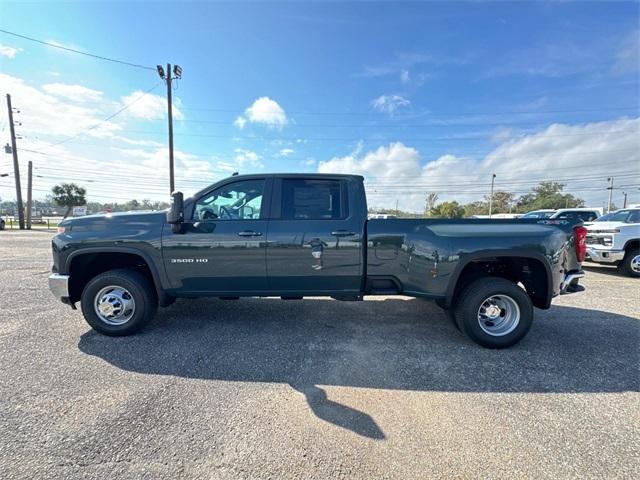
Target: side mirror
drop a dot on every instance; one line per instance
(175, 215)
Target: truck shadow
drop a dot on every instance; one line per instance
(605, 270)
(390, 344)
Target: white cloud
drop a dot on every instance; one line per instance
(77, 93)
(240, 122)
(285, 152)
(389, 103)
(247, 157)
(8, 52)
(309, 162)
(264, 111)
(627, 59)
(46, 115)
(149, 106)
(559, 152)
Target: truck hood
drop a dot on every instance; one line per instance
(108, 220)
(595, 227)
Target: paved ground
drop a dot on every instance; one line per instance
(385, 388)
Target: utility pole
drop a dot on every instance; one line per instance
(29, 196)
(493, 179)
(16, 167)
(625, 200)
(167, 77)
(610, 188)
(397, 211)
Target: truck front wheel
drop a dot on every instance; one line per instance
(118, 302)
(630, 264)
(494, 312)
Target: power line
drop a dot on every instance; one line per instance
(571, 168)
(109, 117)
(413, 114)
(386, 125)
(155, 182)
(99, 57)
(379, 139)
(465, 155)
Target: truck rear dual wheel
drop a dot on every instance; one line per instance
(630, 264)
(494, 312)
(118, 302)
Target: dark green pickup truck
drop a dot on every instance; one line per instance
(297, 235)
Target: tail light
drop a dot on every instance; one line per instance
(580, 239)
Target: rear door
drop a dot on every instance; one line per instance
(315, 236)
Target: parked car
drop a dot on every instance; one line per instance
(543, 213)
(308, 235)
(614, 239)
(584, 214)
(581, 213)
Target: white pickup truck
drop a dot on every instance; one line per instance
(614, 239)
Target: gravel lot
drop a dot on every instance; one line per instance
(385, 388)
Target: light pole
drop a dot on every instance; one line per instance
(170, 74)
(610, 188)
(493, 179)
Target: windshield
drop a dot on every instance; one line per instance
(538, 214)
(624, 216)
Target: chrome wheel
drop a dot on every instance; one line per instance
(635, 264)
(498, 315)
(114, 305)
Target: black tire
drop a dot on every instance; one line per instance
(471, 299)
(625, 267)
(141, 291)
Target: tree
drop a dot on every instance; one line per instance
(447, 210)
(502, 201)
(69, 195)
(548, 195)
(430, 202)
(478, 207)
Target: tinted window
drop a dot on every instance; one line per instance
(536, 214)
(585, 216)
(312, 199)
(236, 201)
(618, 216)
(634, 216)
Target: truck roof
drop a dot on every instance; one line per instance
(297, 175)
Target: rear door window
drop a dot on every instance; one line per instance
(307, 199)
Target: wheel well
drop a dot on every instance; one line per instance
(85, 267)
(529, 272)
(635, 243)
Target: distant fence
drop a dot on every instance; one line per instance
(49, 223)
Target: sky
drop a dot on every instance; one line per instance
(418, 97)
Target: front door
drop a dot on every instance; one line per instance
(222, 248)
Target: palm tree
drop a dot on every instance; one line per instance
(430, 202)
(69, 195)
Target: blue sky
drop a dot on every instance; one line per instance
(418, 97)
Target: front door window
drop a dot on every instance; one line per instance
(236, 201)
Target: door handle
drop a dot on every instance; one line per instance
(342, 233)
(249, 233)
